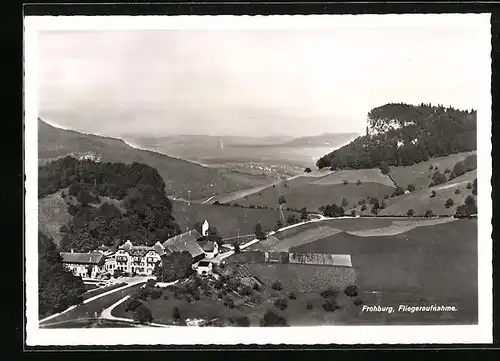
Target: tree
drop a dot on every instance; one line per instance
(410, 212)
(333, 211)
(438, 178)
(344, 202)
(176, 315)
(468, 209)
(433, 194)
(346, 182)
(459, 169)
(277, 286)
(363, 207)
(428, 213)
(58, 288)
(307, 170)
(351, 291)
(174, 266)
(474, 187)
(384, 167)
(353, 213)
(358, 182)
(281, 303)
(449, 203)
(303, 214)
(291, 219)
(143, 315)
(236, 247)
(213, 236)
(469, 185)
(282, 202)
(411, 187)
(271, 319)
(259, 234)
(447, 170)
(458, 191)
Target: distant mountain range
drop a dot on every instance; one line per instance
(323, 140)
(182, 178)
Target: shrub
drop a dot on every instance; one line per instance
(257, 299)
(468, 209)
(398, 191)
(292, 296)
(363, 207)
(165, 297)
(272, 319)
(351, 291)
(228, 302)
(431, 167)
(386, 196)
(384, 168)
(330, 306)
(281, 303)
(411, 187)
(329, 293)
(458, 191)
(345, 182)
(410, 213)
(309, 305)
(436, 168)
(449, 202)
(131, 304)
(176, 315)
(344, 202)
(307, 170)
(428, 213)
(433, 194)
(382, 205)
(447, 170)
(362, 201)
(358, 182)
(142, 314)
(474, 187)
(358, 301)
(156, 293)
(277, 286)
(353, 213)
(242, 321)
(469, 185)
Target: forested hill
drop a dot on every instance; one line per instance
(181, 177)
(404, 134)
(109, 202)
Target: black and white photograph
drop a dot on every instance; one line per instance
(206, 179)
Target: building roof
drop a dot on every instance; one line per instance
(82, 258)
(207, 246)
(141, 250)
(184, 242)
(203, 263)
(321, 259)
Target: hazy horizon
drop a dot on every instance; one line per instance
(272, 82)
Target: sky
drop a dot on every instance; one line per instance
(251, 82)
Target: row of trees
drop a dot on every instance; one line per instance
(58, 288)
(426, 131)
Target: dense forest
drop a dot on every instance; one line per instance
(143, 215)
(57, 287)
(402, 134)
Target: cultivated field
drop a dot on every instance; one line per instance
(352, 176)
(226, 219)
(313, 196)
(419, 174)
(434, 264)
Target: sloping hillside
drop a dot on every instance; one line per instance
(180, 176)
(420, 201)
(420, 174)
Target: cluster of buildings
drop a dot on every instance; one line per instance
(138, 259)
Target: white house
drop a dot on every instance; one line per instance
(140, 260)
(204, 268)
(85, 265)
